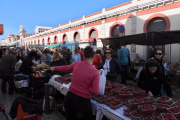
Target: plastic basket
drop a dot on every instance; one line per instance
(177, 115)
(148, 111)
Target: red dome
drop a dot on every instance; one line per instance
(10, 34)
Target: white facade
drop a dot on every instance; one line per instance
(134, 16)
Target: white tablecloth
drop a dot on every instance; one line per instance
(97, 109)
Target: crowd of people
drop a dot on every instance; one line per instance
(85, 63)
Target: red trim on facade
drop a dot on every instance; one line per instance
(76, 20)
(91, 30)
(158, 15)
(93, 24)
(111, 28)
(157, 9)
(94, 14)
(48, 35)
(55, 33)
(117, 6)
(56, 26)
(65, 23)
(118, 18)
(75, 33)
(63, 37)
(76, 28)
(63, 31)
(43, 36)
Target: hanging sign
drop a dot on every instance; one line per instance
(1, 29)
(121, 29)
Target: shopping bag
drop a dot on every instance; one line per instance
(102, 82)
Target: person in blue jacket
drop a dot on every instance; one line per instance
(123, 58)
(48, 57)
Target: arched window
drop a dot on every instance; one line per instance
(64, 38)
(156, 25)
(118, 31)
(35, 42)
(31, 42)
(93, 33)
(38, 42)
(76, 37)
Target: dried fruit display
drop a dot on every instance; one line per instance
(125, 93)
(147, 109)
(148, 100)
(164, 99)
(168, 116)
(127, 88)
(161, 107)
(136, 115)
(139, 92)
(175, 111)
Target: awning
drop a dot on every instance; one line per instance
(150, 38)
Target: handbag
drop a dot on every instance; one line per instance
(109, 74)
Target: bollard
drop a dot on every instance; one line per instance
(47, 102)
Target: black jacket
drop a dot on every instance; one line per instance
(26, 66)
(115, 68)
(153, 83)
(28, 105)
(59, 62)
(1, 53)
(19, 58)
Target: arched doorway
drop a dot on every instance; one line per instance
(93, 35)
(117, 30)
(156, 25)
(55, 39)
(35, 42)
(42, 41)
(31, 42)
(48, 41)
(38, 42)
(64, 38)
(76, 37)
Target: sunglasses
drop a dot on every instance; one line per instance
(158, 53)
(107, 52)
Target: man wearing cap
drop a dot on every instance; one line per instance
(7, 70)
(66, 55)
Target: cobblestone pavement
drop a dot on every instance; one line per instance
(7, 100)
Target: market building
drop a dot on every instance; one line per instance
(133, 17)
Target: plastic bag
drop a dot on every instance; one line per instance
(102, 82)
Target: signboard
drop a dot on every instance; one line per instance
(121, 29)
(1, 29)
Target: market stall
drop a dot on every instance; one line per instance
(122, 102)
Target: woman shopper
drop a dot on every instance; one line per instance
(58, 60)
(152, 78)
(85, 79)
(19, 57)
(111, 66)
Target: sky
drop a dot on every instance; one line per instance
(49, 13)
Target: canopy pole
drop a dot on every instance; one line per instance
(152, 39)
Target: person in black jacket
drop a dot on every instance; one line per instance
(152, 78)
(26, 66)
(111, 66)
(58, 60)
(157, 54)
(19, 57)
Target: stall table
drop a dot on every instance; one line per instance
(98, 109)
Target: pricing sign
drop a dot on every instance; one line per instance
(121, 29)
(1, 29)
